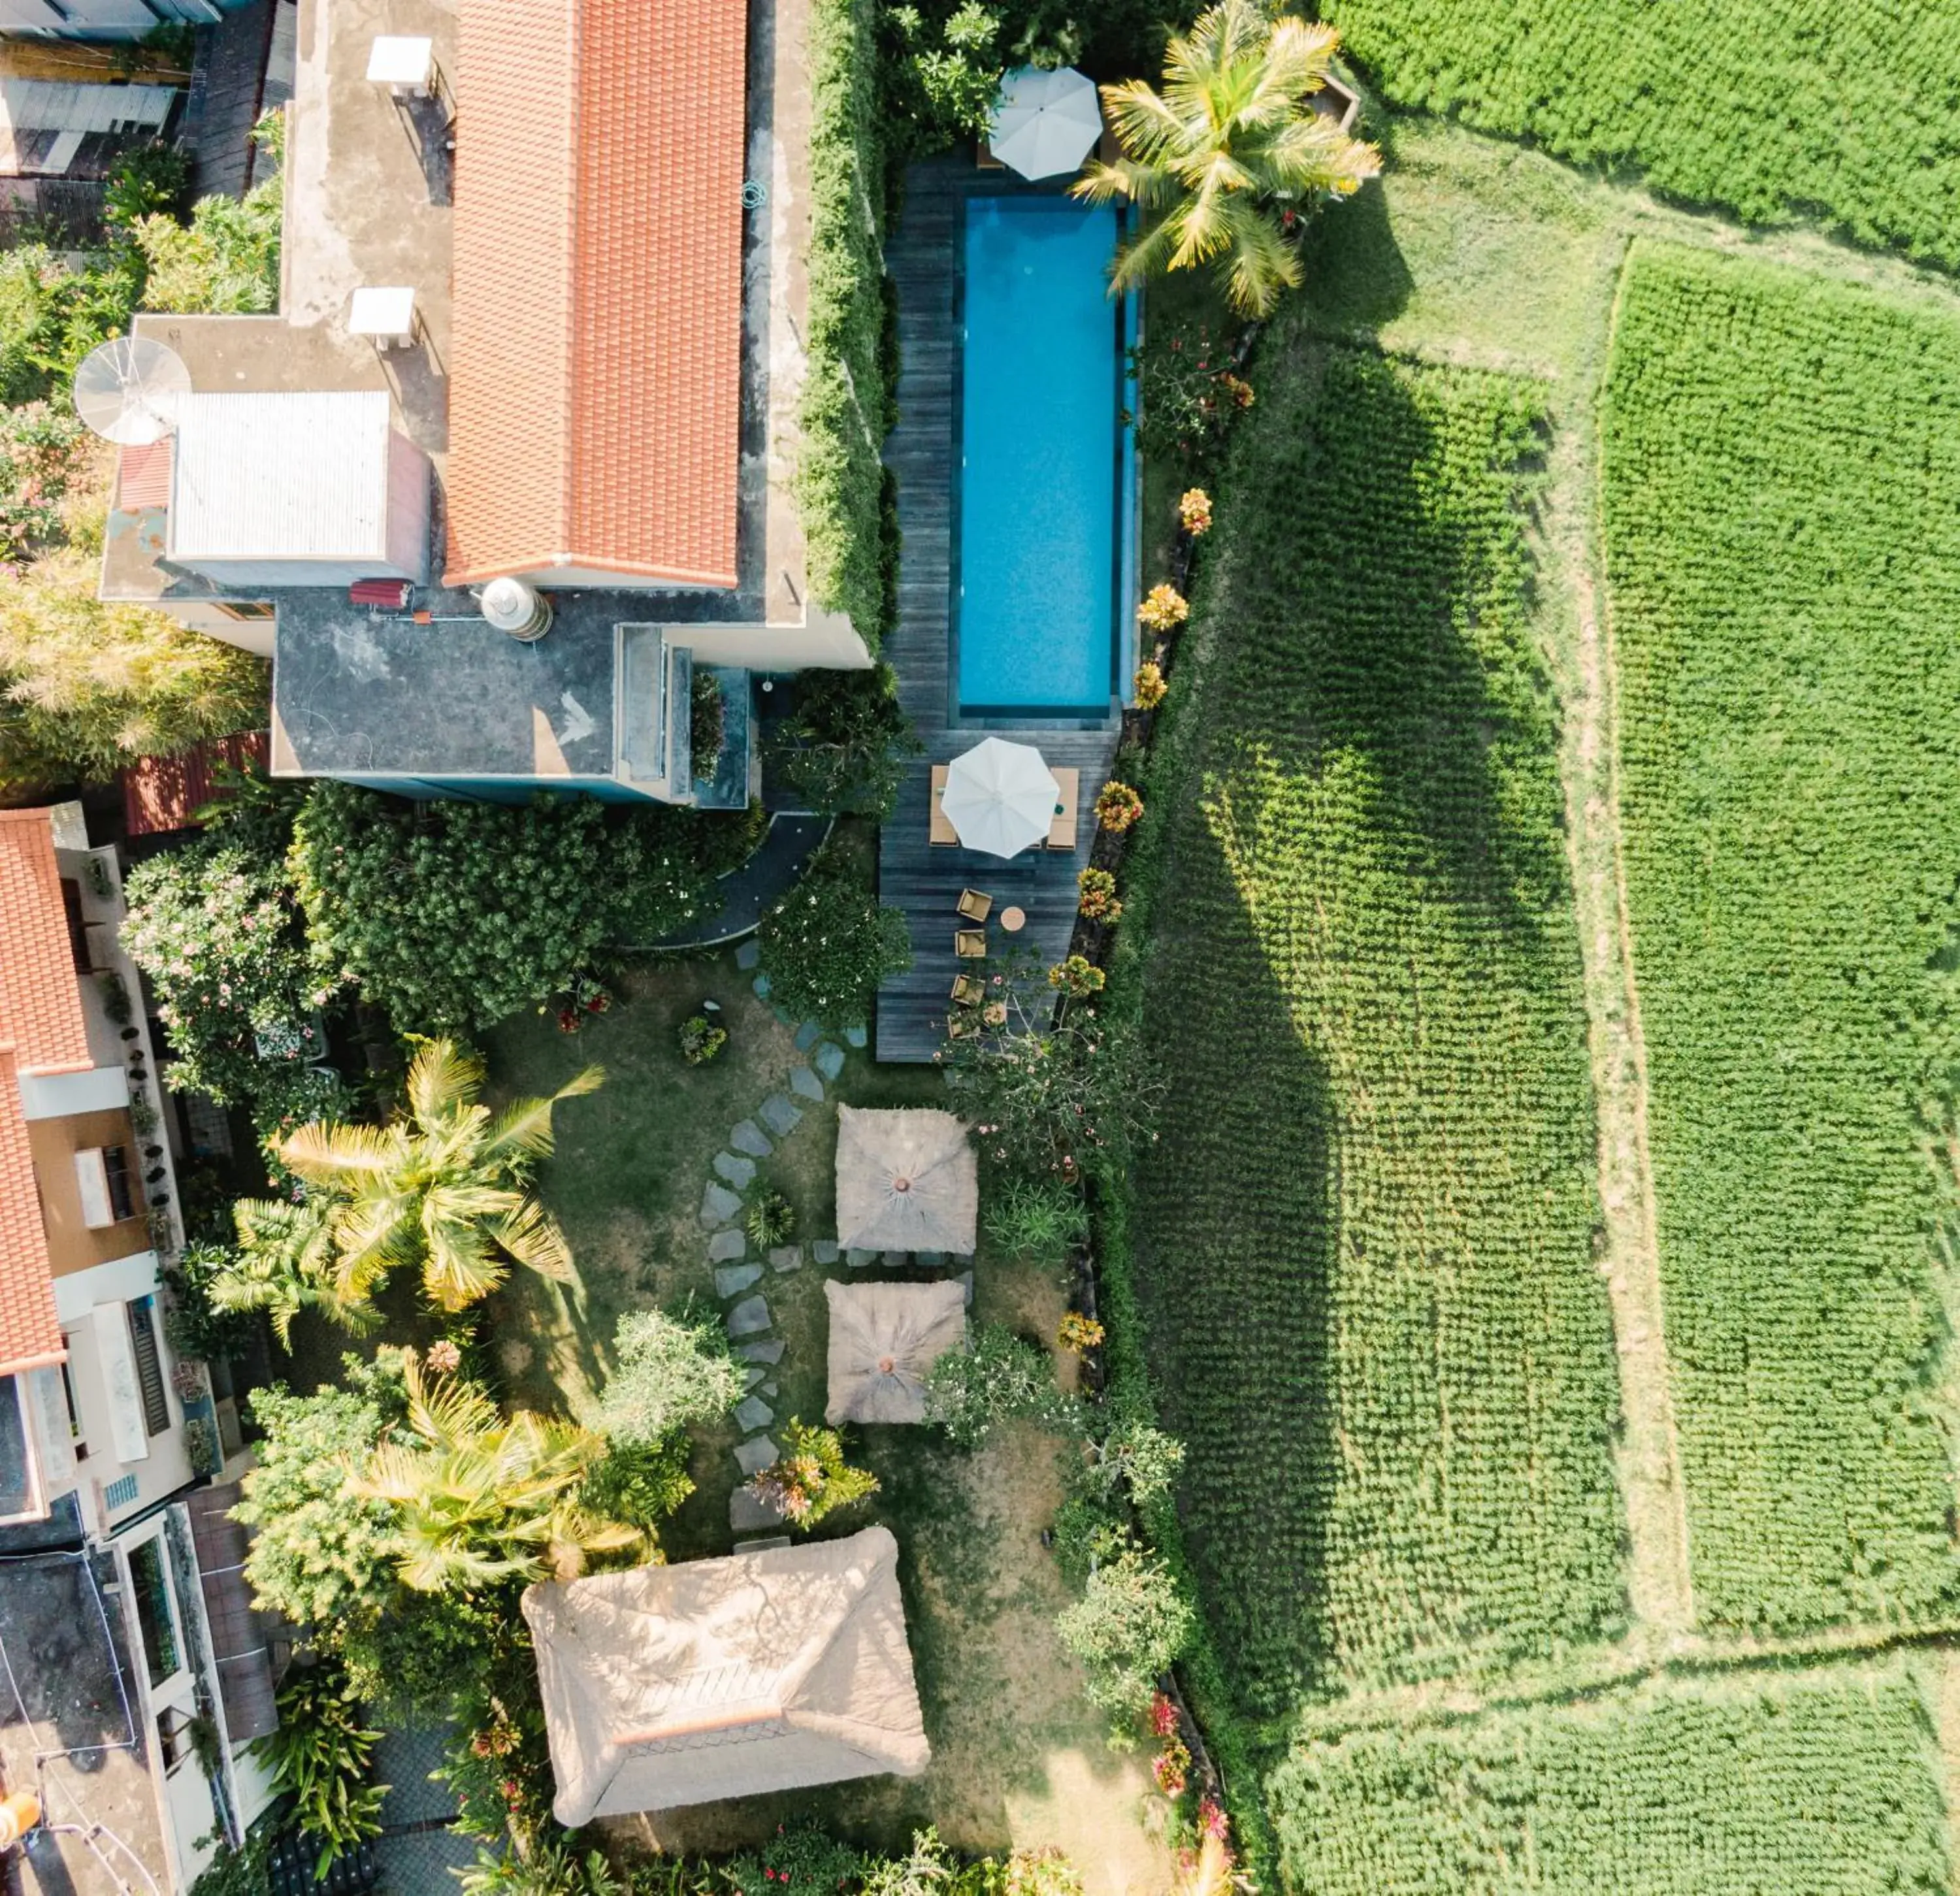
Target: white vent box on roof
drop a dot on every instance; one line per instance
(404, 63)
(297, 489)
(385, 313)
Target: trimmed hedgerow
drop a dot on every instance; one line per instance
(1771, 108)
(1364, 1237)
(1825, 1783)
(1781, 493)
(840, 482)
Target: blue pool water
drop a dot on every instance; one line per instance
(1036, 622)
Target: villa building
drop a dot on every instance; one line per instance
(121, 1616)
(513, 462)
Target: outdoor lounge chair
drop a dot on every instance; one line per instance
(973, 905)
(940, 829)
(1061, 831)
(970, 944)
(966, 991)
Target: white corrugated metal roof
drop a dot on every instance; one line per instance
(281, 475)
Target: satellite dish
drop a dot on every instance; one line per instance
(129, 390)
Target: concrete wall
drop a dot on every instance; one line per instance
(253, 636)
(828, 642)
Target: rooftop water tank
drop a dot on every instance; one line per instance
(512, 606)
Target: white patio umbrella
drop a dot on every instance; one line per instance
(1045, 123)
(999, 798)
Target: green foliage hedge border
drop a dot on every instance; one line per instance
(840, 481)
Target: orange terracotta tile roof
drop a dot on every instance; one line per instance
(595, 390)
(42, 1030)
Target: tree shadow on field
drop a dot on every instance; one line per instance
(1235, 1248)
(1388, 623)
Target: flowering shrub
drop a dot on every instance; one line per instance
(1171, 1767)
(827, 944)
(811, 1478)
(999, 1377)
(1079, 1334)
(1098, 899)
(1077, 977)
(584, 996)
(1117, 807)
(701, 1039)
(41, 448)
(215, 927)
(1194, 506)
(1190, 396)
(1148, 687)
(671, 1372)
(1163, 608)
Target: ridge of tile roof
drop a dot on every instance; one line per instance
(595, 391)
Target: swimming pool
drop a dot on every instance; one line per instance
(1046, 470)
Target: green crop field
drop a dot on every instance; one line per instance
(1781, 499)
(1772, 109)
(1827, 1786)
(1367, 1229)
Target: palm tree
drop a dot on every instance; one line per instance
(286, 1261)
(446, 1187)
(1228, 152)
(481, 1497)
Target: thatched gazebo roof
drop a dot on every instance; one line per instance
(883, 1338)
(766, 1671)
(906, 1181)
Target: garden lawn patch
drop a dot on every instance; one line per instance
(1826, 1783)
(1781, 503)
(1365, 1238)
(1755, 105)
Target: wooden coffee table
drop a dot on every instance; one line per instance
(1013, 920)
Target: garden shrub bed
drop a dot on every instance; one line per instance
(1781, 495)
(1825, 1783)
(1391, 1359)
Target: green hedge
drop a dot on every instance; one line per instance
(840, 479)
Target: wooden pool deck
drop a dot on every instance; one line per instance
(924, 880)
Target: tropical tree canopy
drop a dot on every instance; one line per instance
(286, 1261)
(1223, 158)
(446, 1188)
(480, 1497)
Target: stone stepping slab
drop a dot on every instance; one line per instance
(748, 1513)
(829, 1060)
(739, 1172)
(807, 1036)
(786, 1257)
(770, 1350)
(726, 1246)
(779, 1115)
(748, 954)
(733, 1279)
(756, 1454)
(857, 1259)
(749, 1138)
(753, 1375)
(803, 1081)
(824, 1250)
(748, 1318)
(751, 1412)
(857, 1037)
(718, 1205)
(761, 985)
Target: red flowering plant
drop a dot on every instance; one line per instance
(1188, 394)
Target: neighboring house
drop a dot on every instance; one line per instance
(541, 317)
(106, 19)
(119, 1572)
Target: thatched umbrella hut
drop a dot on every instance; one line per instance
(906, 1181)
(883, 1338)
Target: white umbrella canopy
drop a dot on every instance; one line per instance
(999, 798)
(1045, 123)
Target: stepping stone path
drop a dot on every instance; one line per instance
(761, 985)
(755, 1454)
(857, 1037)
(767, 1388)
(930, 1260)
(770, 1350)
(739, 1172)
(747, 1512)
(803, 1081)
(896, 1260)
(733, 1279)
(718, 1205)
(830, 1059)
(748, 954)
(824, 1251)
(779, 1115)
(748, 1318)
(754, 1374)
(807, 1036)
(857, 1259)
(751, 1412)
(748, 1137)
(725, 1246)
(786, 1257)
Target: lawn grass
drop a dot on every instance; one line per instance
(1781, 501)
(1826, 1782)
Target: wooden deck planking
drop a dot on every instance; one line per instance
(925, 882)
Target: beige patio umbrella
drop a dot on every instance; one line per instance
(883, 1338)
(906, 1181)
